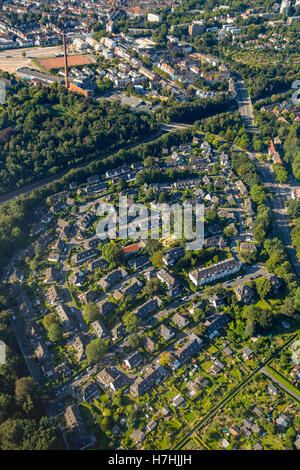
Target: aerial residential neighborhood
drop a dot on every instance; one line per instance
(150, 234)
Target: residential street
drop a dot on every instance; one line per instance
(245, 106)
(277, 204)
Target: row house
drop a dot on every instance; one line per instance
(54, 295)
(244, 293)
(188, 350)
(167, 278)
(144, 384)
(109, 377)
(99, 329)
(100, 263)
(242, 188)
(147, 308)
(87, 297)
(166, 332)
(79, 344)
(79, 437)
(133, 361)
(84, 256)
(50, 275)
(64, 316)
(139, 263)
(172, 256)
(85, 221)
(112, 278)
(118, 331)
(215, 242)
(200, 277)
(105, 307)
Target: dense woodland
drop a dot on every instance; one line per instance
(46, 130)
(188, 112)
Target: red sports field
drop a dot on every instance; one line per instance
(58, 62)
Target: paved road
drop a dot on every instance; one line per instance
(277, 204)
(245, 106)
(225, 400)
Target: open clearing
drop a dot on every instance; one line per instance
(11, 59)
(58, 62)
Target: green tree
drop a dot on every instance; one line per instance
(95, 350)
(250, 329)
(25, 388)
(228, 231)
(133, 341)
(91, 313)
(288, 307)
(131, 322)
(290, 437)
(263, 287)
(198, 315)
(153, 245)
(149, 162)
(211, 216)
(55, 333)
(112, 253)
(166, 359)
(49, 319)
(258, 194)
(157, 260)
(153, 287)
(200, 329)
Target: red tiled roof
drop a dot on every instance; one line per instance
(272, 147)
(131, 248)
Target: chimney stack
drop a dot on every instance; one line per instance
(66, 62)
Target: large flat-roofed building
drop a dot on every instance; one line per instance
(29, 74)
(196, 28)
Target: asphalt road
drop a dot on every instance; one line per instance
(277, 204)
(245, 106)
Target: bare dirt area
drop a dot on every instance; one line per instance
(58, 62)
(11, 59)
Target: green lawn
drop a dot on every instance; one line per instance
(206, 365)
